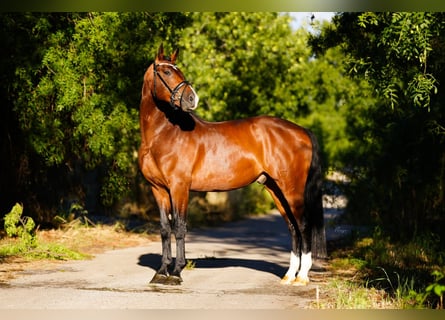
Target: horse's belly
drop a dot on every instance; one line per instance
(223, 181)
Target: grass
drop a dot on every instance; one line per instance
(374, 272)
(22, 240)
(347, 294)
(356, 286)
(53, 251)
(71, 242)
(190, 265)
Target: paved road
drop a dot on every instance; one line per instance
(238, 265)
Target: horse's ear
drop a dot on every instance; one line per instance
(160, 55)
(174, 56)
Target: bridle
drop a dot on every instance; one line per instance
(173, 91)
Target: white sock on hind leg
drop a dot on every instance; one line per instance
(294, 264)
(306, 264)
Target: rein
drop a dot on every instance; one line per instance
(172, 92)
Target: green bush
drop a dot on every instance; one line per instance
(437, 288)
(411, 272)
(21, 227)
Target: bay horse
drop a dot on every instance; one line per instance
(180, 152)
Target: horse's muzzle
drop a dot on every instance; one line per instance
(188, 100)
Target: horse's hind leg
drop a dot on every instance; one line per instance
(284, 208)
(306, 254)
(292, 209)
(301, 256)
(294, 262)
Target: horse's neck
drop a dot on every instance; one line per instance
(149, 115)
(147, 107)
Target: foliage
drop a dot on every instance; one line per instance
(22, 227)
(347, 294)
(408, 272)
(228, 206)
(249, 60)
(75, 212)
(396, 156)
(254, 199)
(74, 87)
(73, 94)
(190, 265)
(27, 244)
(70, 119)
(437, 287)
(246, 64)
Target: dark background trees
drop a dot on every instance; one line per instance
(397, 155)
(368, 84)
(70, 95)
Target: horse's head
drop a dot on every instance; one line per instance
(169, 84)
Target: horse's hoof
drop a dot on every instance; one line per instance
(159, 278)
(173, 280)
(286, 280)
(299, 282)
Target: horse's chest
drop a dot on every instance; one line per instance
(161, 166)
(151, 169)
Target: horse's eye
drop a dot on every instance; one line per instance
(167, 72)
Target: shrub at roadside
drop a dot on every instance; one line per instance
(404, 275)
(22, 240)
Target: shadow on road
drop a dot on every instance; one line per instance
(152, 261)
(265, 235)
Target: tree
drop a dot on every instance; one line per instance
(245, 64)
(74, 90)
(399, 161)
(242, 63)
(74, 80)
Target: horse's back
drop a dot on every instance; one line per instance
(235, 153)
(258, 127)
(276, 137)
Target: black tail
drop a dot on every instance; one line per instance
(314, 202)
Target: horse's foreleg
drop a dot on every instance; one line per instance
(180, 230)
(179, 203)
(163, 201)
(166, 243)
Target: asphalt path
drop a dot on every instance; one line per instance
(236, 266)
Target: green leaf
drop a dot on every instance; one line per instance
(439, 290)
